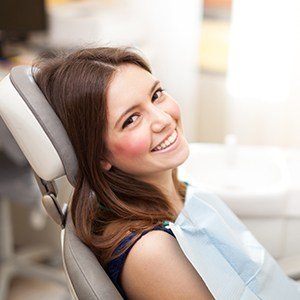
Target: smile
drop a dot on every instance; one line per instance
(167, 142)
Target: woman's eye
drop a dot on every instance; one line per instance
(131, 119)
(127, 122)
(157, 94)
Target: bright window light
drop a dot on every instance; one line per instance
(260, 50)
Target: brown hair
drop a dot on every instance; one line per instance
(106, 205)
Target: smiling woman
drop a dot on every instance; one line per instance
(151, 118)
(128, 137)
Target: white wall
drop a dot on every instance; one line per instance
(263, 77)
(168, 32)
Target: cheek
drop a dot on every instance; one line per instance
(132, 146)
(173, 109)
(176, 111)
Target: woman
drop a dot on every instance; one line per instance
(127, 134)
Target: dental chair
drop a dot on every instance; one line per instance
(45, 144)
(28, 260)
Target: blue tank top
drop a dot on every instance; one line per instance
(114, 267)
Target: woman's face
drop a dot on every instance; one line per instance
(140, 117)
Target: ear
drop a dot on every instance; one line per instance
(105, 165)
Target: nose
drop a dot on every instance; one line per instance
(160, 120)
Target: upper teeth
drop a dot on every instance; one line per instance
(167, 142)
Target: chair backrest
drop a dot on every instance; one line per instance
(45, 144)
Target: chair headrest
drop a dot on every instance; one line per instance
(44, 142)
(35, 126)
(87, 278)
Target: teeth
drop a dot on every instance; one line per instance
(170, 140)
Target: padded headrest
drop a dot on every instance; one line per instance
(44, 142)
(35, 126)
(88, 280)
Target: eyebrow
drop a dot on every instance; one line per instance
(155, 84)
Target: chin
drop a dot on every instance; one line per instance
(182, 157)
(185, 155)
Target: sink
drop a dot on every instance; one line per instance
(252, 180)
(260, 184)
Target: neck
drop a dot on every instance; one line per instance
(164, 181)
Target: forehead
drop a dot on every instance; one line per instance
(130, 85)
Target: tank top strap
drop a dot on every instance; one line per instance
(115, 266)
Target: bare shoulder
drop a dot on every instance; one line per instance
(156, 268)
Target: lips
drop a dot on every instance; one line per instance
(164, 139)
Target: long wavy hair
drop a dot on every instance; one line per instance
(106, 205)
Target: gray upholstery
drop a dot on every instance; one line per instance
(46, 140)
(47, 118)
(89, 279)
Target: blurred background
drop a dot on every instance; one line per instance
(232, 65)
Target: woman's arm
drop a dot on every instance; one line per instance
(156, 268)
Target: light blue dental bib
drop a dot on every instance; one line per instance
(225, 254)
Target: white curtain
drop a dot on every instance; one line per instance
(264, 72)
